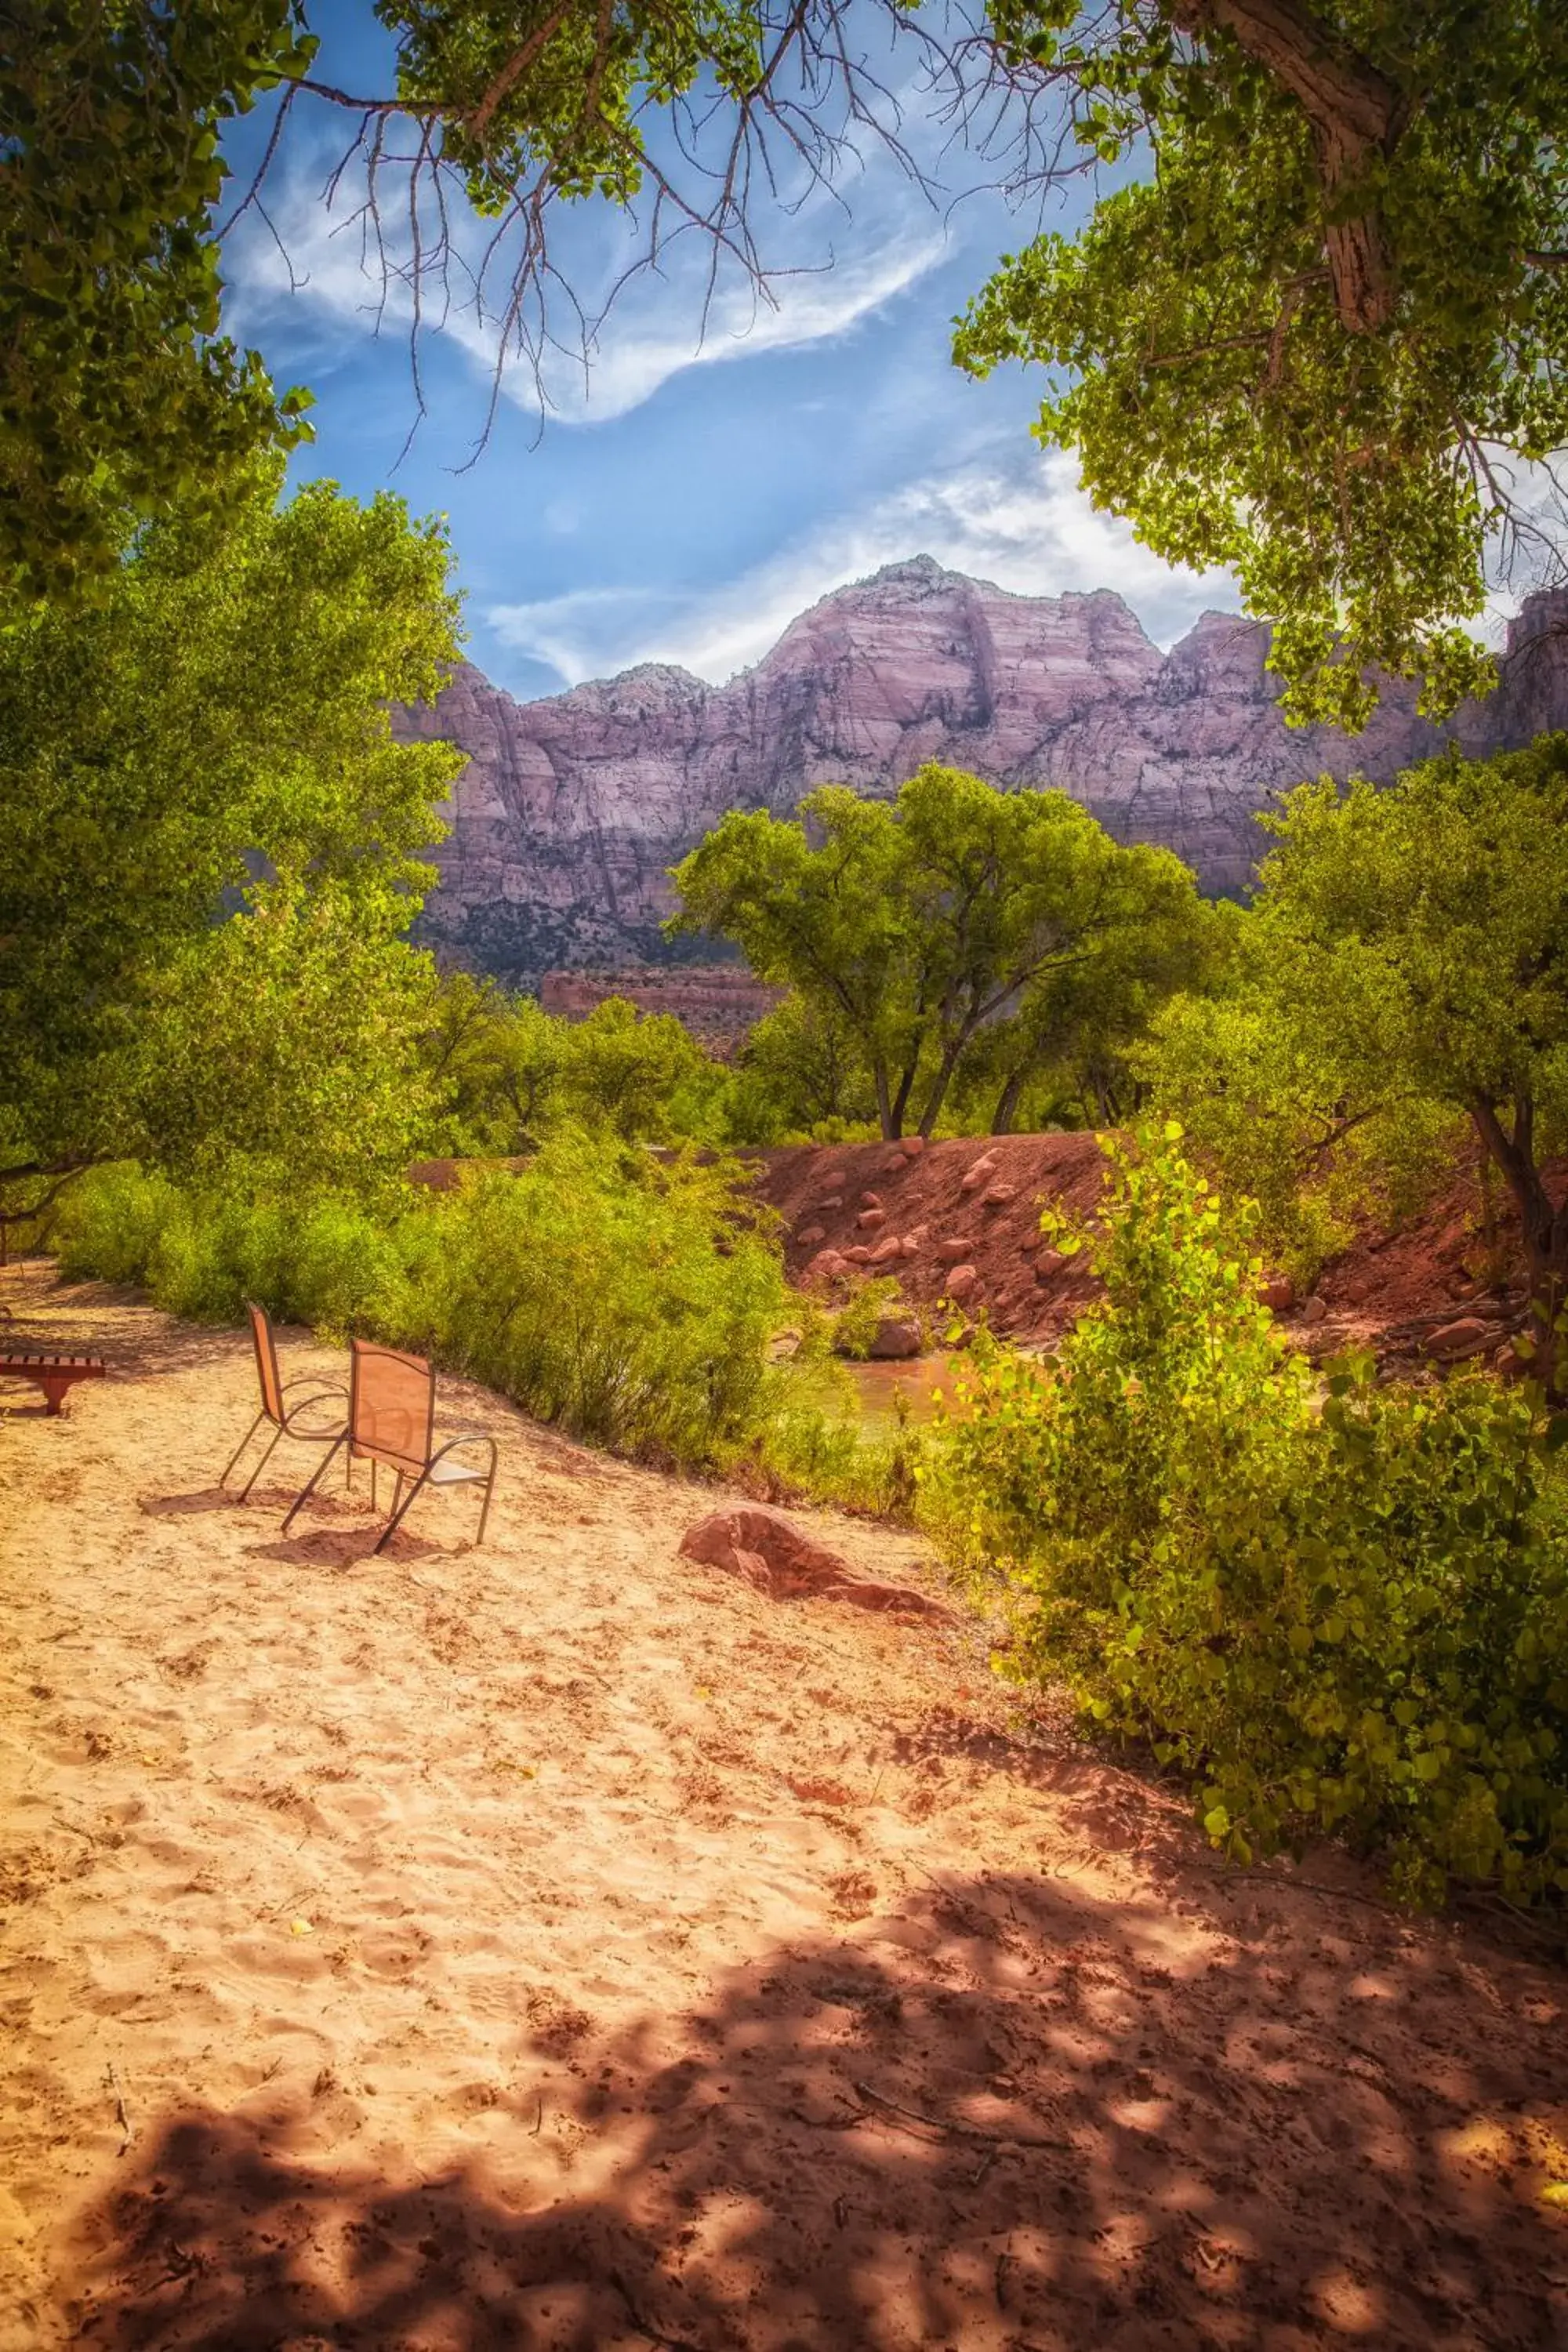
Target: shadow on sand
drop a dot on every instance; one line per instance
(1002, 2119)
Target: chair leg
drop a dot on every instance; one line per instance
(309, 1488)
(399, 1514)
(485, 1506)
(229, 1466)
(266, 1456)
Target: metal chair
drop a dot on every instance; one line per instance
(391, 1420)
(276, 1406)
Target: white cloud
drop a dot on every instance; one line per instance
(1026, 526)
(831, 271)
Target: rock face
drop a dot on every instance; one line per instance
(572, 808)
(720, 1003)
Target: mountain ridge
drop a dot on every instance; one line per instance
(574, 806)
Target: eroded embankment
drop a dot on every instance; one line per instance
(975, 1203)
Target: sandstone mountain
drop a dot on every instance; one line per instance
(572, 808)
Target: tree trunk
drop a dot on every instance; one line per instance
(1544, 1232)
(1356, 115)
(1007, 1101)
(938, 1086)
(884, 1103)
(902, 1100)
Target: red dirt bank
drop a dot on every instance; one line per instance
(1389, 1290)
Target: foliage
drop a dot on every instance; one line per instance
(1352, 1620)
(829, 1456)
(800, 1077)
(1290, 1083)
(287, 1035)
(1425, 927)
(1310, 336)
(119, 400)
(1313, 329)
(570, 91)
(203, 1249)
(871, 1299)
(627, 1302)
(213, 734)
(643, 1076)
(495, 1061)
(916, 928)
(509, 1074)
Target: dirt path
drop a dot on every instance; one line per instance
(558, 1945)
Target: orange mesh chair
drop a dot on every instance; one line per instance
(391, 1420)
(277, 1407)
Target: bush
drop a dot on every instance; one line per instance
(629, 1303)
(1344, 1614)
(202, 1250)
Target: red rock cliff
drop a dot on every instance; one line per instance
(572, 808)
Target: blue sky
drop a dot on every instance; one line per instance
(694, 492)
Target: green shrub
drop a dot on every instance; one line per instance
(109, 1222)
(1344, 1614)
(872, 1298)
(202, 1250)
(830, 1457)
(629, 1302)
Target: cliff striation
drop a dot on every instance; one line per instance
(572, 808)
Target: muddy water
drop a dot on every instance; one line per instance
(878, 1388)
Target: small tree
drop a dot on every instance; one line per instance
(496, 1062)
(210, 735)
(1432, 919)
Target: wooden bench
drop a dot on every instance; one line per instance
(53, 1374)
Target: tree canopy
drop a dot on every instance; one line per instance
(1314, 328)
(1315, 339)
(119, 399)
(919, 927)
(212, 736)
(1408, 968)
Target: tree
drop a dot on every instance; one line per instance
(211, 736)
(1078, 1021)
(1319, 317)
(497, 1061)
(1325, 320)
(287, 1038)
(918, 927)
(641, 1075)
(120, 401)
(1431, 920)
(799, 1072)
(1287, 1075)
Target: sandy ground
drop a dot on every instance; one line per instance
(557, 1945)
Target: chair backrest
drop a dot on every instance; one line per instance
(265, 1362)
(392, 1405)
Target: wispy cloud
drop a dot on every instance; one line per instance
(830, 270)
(1023, 523)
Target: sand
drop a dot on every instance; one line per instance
(561, 1945)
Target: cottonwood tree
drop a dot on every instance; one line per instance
(1324, 325)
(920, 925)
(210, 737)
(1288, 1075)
(1428, 923)
(1315, 325)
(119, 400)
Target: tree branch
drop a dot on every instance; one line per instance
(1357, 115)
